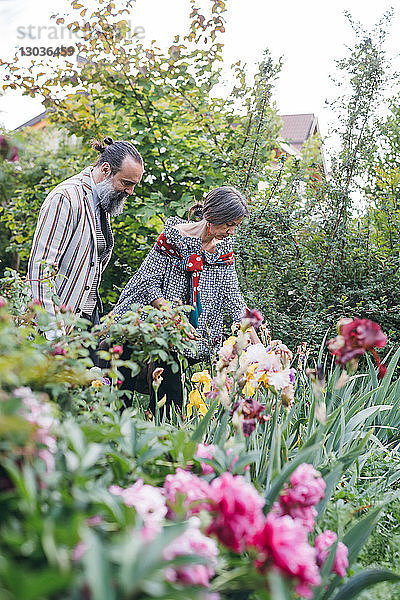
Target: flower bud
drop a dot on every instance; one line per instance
(117, 350)
(157, 379)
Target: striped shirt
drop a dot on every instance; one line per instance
(65, 238)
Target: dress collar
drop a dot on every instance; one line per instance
(193, 244)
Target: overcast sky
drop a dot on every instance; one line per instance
(309, 35)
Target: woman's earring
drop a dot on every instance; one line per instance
(208, 229)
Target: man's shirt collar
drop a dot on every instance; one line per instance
(94, 192)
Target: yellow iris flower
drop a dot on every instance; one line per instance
(249, 389)
(204, 378)
(196, 399)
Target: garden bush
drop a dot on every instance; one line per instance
(239, 500)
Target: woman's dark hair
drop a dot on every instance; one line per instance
(221, 205)
(114, 153)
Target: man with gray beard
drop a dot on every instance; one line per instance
(73, 236)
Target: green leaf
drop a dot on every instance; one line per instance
(278, 586)
(357, 583)
(201, 429)
(97, 568)
(356, 537)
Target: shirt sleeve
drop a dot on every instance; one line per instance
(53, 233)
(233, 300)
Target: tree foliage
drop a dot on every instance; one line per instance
(164, 101)
(311, 251)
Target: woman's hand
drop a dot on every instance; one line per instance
(159, 303)
(192, 333)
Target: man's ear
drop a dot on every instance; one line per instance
(105, 168)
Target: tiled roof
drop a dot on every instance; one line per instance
(297, 129)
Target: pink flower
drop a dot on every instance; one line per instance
(192, 542)
(116, 350)
(79, 551)
(48, 459)
(205, 451)
(323, 543)
(226, 353)
(306, 487)
(58, 350)
(305, 490)
(238, 511)
(282, 543)
(303, 514)
(14, 157)
(363, 333)
(40, 414)
(356, 337)
(95, 520)
(3, 301)
(192, 491)
(253, 316)
(148, 502)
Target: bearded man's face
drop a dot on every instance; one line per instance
(114, 189)
(112, 200)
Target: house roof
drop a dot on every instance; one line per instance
(33, 121)
(296, 129)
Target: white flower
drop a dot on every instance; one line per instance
(256, 353)
(277, 380)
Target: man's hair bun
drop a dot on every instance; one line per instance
(101, 146)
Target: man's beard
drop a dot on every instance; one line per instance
(112, 201)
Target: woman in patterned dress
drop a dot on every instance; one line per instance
(192, 261)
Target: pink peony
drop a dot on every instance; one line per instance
(192, 542)
(238, 511)
(282, 543)
(148, 502)
(323, 543)
(304, 514)
(205, 451)
(194, 491)
(306, 488)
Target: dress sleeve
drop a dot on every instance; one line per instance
(233, 300)
(153, 276)
(145, 286)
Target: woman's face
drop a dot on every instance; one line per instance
(221, 232)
